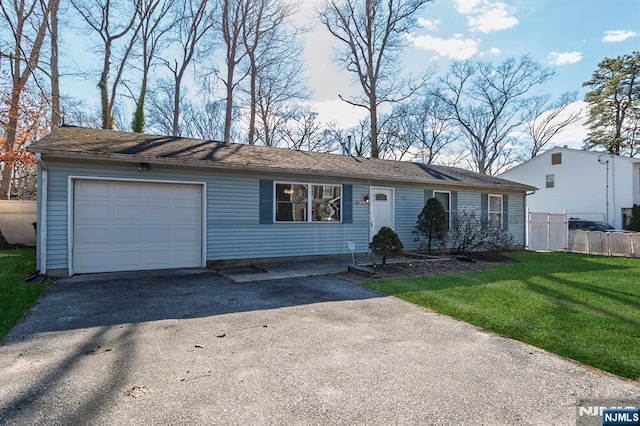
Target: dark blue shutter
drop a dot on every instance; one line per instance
(266, 201)
(484, 206)
(347, 203)
(428, 193)
(505, 212)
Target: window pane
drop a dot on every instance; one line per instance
(325, 204)
(550, 181)
(495, 204)
(495, 210)
(291, 202)
(443, 197)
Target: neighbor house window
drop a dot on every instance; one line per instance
(445, 200)
(296, 202)
(495, 210)
(556, 158)
(550, 181)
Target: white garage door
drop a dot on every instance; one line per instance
(129, 226)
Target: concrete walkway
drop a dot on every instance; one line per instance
(200, 349)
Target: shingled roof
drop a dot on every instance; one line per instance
(83, 143)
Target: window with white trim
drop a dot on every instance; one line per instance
(298, 202)
(445, 199)
(550, 181)
(495, 210)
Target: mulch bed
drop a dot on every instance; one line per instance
(433, 266)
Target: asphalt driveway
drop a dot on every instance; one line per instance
(199, 349)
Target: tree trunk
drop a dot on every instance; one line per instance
(373, 114)
(252, 103)
(107, 120)
(229, 103)
(55, 74)
(176, 107)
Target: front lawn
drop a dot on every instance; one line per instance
(16, 296)
(586, 308)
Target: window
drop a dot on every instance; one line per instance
(550, 181)
(308, 203)
(495, 210)
(445, 200)
(556, 158)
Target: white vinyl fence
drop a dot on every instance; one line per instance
(547, 231)
(550, 231)
(621, 243)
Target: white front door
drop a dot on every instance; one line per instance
(381, 200)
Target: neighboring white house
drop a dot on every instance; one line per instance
(589, 185)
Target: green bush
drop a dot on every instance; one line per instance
(432, 223)
(634, 224)
(386, 243)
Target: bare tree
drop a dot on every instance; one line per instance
(27, 22)
(302, 131)
(111, 21)
(279, 86)
(56, 111)
(550, 118)
(270, 42)
(489, 102)
(421, 128)
(233, 14)
(194, 23)
(371, 33)
(155, 23)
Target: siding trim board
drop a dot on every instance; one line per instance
(71, 179)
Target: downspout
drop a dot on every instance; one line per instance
(41, 223)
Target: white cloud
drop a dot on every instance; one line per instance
(492, 17)
(428, 24)
(562, 58)
(338, 112)
(495, 51)
(614, 36)
(466, 6)
(456, 48)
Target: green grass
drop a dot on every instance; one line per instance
(16, 296)
(586, 308)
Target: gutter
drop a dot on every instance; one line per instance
(41, 224)
(128, 158)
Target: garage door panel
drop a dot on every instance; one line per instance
(136, 226)
(158, 235)
(159, 214)
(128, 213)
(183, 255)
(96, 261)
(125, 260)
(91, 235)
(158, 258)
(92, 190)
(127, 236)
(190, 214)
(93, 213)
(128, 190)
(186, 234)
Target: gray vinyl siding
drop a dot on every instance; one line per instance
(409, 204)
(233, 209)
(233, 228)
(469, 201)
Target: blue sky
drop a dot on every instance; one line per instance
(570, 36)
